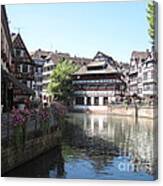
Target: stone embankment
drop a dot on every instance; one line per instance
(121, 110)
(22, 143)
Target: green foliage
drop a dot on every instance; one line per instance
(61, 81)
(151, 20)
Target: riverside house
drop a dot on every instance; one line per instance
(24, 69)
(9, 82)
(98, 84)
(143, 75)
(39, 58)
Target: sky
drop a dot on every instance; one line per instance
(82, 29)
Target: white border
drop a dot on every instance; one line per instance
(32, 182)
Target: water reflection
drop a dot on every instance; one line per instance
(120, 147)
(98, 147)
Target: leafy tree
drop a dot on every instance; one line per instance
(151, 20)
(61, 80)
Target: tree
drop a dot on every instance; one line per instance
(151, 20)
(61, 81)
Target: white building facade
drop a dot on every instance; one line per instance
(48, 68)
(143, 74)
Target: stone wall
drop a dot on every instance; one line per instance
(12, 157)
(121, 110)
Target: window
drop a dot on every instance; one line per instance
(17, 52)
(105, 100)
(139, 80)
(79, 100)
(152, 74)
(96, 100)
(22, 53)
(25, 68)
(145, 75)
(24, 82)
(18, 68)
(39, 69)
(149, 87)
(29, 84)
(88, 100)
(139, 90)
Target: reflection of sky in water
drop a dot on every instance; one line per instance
(134, 140)
(84, 169)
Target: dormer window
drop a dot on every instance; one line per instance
(97, 66)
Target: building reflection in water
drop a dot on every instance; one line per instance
(127, 139)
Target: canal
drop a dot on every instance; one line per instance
(98, 147)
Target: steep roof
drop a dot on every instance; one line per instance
(18, 43)
(108, 64)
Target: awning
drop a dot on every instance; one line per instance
(11, 78)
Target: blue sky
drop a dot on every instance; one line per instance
(82, 29)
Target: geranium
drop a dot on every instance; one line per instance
(44, 115)
(19, 117)
(25, 113)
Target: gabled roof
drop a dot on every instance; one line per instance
(110, 66)
(18, 43)
(101, 54)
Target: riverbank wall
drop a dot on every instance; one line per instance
(120, 110)
(12, 157)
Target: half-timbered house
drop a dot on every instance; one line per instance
(24, 68)
(98, 83)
